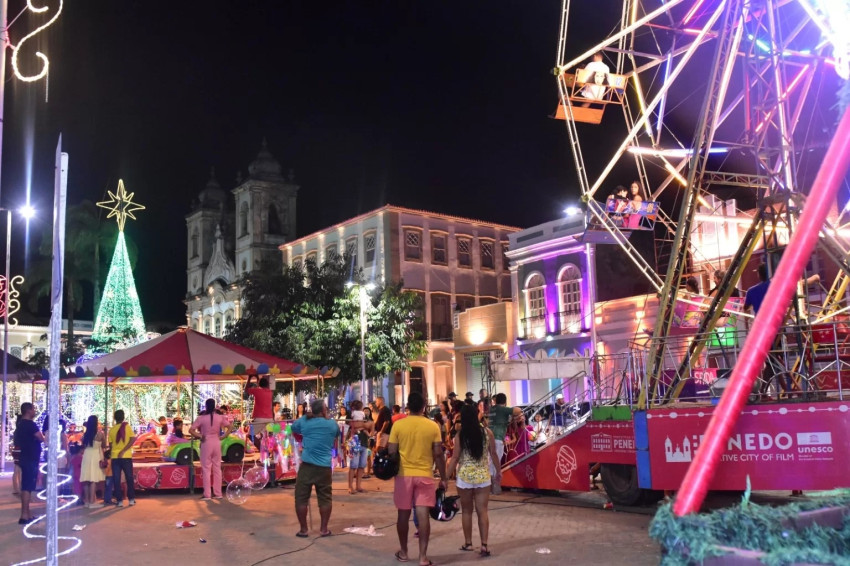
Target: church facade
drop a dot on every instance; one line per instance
(230, 235)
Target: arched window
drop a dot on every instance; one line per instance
(569, 293)
(228, 320)
(312, 256)
(207, 325)
(535, 306)
(274, 220)
(217, 333)
(244, 266)
(243, 219)
(195, 243)
(331, 253)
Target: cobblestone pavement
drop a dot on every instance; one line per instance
(574, 528)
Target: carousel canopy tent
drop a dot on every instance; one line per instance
(17, 368)
(186, 354)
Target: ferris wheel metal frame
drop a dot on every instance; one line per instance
(768, 57)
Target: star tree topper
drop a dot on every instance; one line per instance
(121, 205)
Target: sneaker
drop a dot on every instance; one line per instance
(218, 497)
(95, 505)
(206, 498)
(132, 502)
(120, 504)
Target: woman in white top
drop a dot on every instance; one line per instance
(91, 470)
(207, 427)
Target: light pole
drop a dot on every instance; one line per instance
(362, 292)
(27, 212)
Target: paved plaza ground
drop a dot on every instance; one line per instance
(575, 528)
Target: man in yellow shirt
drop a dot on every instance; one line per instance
(121, 439)
(417, 441)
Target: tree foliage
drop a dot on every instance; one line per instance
(310, 315)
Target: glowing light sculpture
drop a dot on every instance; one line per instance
(45, 67)
(120, 314)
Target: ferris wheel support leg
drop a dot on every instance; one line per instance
(769, 319)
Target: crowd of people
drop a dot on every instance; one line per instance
(467, 440)
(100, 456)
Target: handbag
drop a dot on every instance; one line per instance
(103, 464)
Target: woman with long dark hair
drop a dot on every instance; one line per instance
(474, 448)
(206, 428)
(93, 465)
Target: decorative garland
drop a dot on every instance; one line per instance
(693, 538)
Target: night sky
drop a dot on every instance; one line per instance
(436, 105)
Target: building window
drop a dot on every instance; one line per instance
(217, 326)
(330, 253)
(244, 267)
(419, 327)
(369, 243)
(505, 260)
(534, 323)
(195, 243)
(464, 252)
(486, 247)
(297, 262)
(413, 245)
(312, 257)
(228, 321)
(207, 326)
(463, 302)
(439, 256)
(16, 351)
(351, 250)
(441, 317)
(243, 219)
(274, 221)
(569, 283)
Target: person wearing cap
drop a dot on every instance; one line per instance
(470, 398)
(560, 413)
(452, 396)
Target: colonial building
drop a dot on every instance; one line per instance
(453, 263)
(229, 236)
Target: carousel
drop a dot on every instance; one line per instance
(160, 385)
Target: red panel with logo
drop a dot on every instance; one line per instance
(788, 446)
(565, 464)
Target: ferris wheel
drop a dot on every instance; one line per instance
(715, 98)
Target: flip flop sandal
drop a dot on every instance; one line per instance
(467, 547)
(399, 558)
(302, 535)
(327, 534)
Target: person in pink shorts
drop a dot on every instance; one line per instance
(417, 441)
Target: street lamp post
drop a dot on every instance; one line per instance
(362, 292)
(27, 212)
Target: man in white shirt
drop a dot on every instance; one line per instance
(596, 79)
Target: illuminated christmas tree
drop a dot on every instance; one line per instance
(119, 317)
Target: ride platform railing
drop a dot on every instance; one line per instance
(808, 363)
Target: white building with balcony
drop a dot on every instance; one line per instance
(453, 263)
